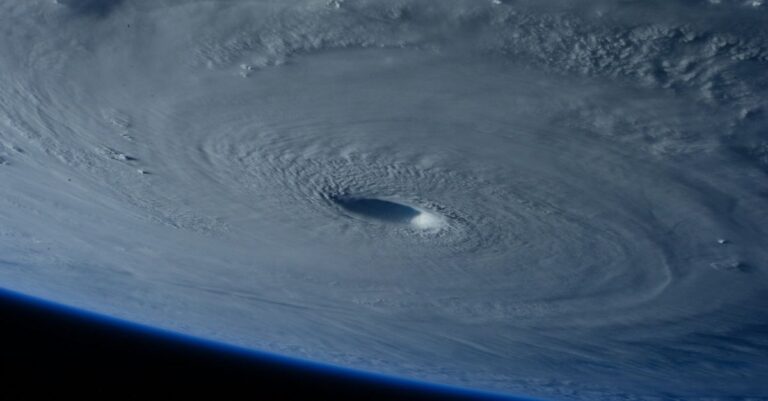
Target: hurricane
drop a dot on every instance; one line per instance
(565, 200)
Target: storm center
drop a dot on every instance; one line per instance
(379, 209)
(388, 211)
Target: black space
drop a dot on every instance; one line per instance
(43, 346)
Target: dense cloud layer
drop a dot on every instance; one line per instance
(563, 199)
